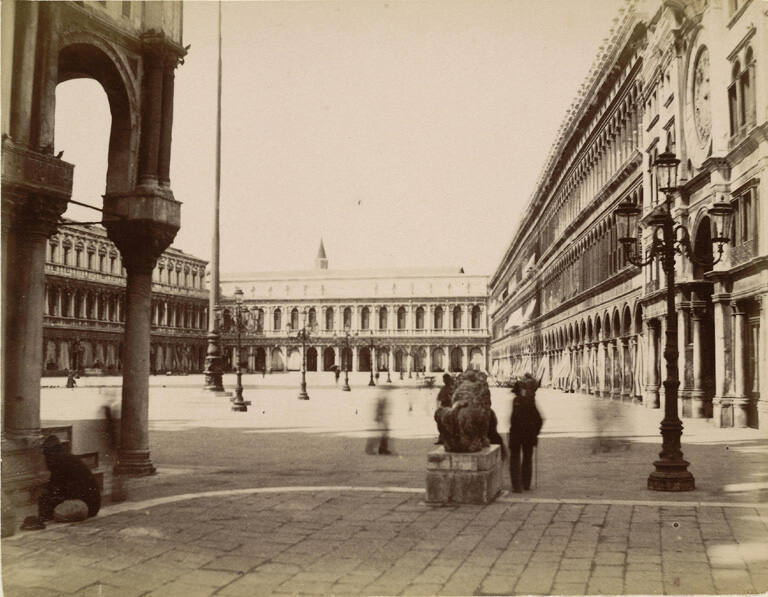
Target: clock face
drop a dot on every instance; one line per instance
(702, 113)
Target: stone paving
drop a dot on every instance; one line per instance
(378, 542)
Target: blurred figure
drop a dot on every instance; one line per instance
(336, 374)
(604, 413)
(524, 428)
(444, 397)
(71, 383)
(380, 444)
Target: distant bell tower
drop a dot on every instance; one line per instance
(321, 261)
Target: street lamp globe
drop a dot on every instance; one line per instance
(666, 172)
(721, 213)
(628, 215)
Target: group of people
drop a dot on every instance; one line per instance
(524, 427)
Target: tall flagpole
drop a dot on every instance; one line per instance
(213, 365)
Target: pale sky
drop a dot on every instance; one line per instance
(405, 133)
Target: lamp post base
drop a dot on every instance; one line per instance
(371, 383)
(303, 396)
(346, 388)
(671, 475)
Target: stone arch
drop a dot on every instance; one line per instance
(329, 358)
(438, 318)
(311, 358)
(278, 364)
(626, 323)
(476, 360)
(86, 55)
(293, 361)
(702, 245)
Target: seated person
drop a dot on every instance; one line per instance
(70, 479)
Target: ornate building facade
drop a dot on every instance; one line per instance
(399, 320)
(84, 306)
(685, 77)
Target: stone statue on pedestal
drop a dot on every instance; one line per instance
(464, 425)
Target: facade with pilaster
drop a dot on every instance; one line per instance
(403, 321)
(685, 77)
(84, 306)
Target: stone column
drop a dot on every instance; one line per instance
(152, 110)
(740, 399)
(607, 376)
(633, 345)
(35, 189)
(588, 378)
(164, 154)
(429, 358)
(465, 354)
(354, 357)
(337, 356)
(142, 224)
(626, 370)
(698, 408)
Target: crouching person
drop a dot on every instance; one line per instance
(70, 479)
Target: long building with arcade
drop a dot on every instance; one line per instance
(687, 78)
(404, 320)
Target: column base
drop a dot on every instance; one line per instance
(134, 463)
(651, 397)
(700, 405)
(735, 411)
(671, 475)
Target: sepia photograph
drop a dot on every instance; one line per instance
(384, 297)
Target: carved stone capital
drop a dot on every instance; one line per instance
(141, 242)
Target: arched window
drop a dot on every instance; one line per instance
(457, 318)
(475, 317)
(365, 318)
(329, 323)
(401, 318)
(348, 317)
(295, 319)
(741, 94)
(420, 318)
(312, 317)
(277, 320)
(383, 318)
(438, 318)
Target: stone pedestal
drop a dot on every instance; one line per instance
(463, 478)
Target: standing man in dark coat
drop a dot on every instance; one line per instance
(524, 430)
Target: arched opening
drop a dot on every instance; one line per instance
(329, 358)
(278, 364)
(294, 319)
(382, 359)
(346, 359)
(401, 318)
(329, 322)
(311, 359)
(365, 318)
(383, 316)
(702, 248)
(438, 317)
(438, 359)
(419, 355)
(457, 318)
(456, 359)
(364, 362)
(348, 317)
(420, 318)
(312, 318)
(294, 359)
(277, 320)
(475, 317)
(476, 359)
(400, 364)
(260, 359)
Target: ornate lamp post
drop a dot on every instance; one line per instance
(238, 404)
(304, 334)
(671, 470)
(345, 342)
(370, 354)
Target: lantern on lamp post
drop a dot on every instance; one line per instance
(668, 237)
